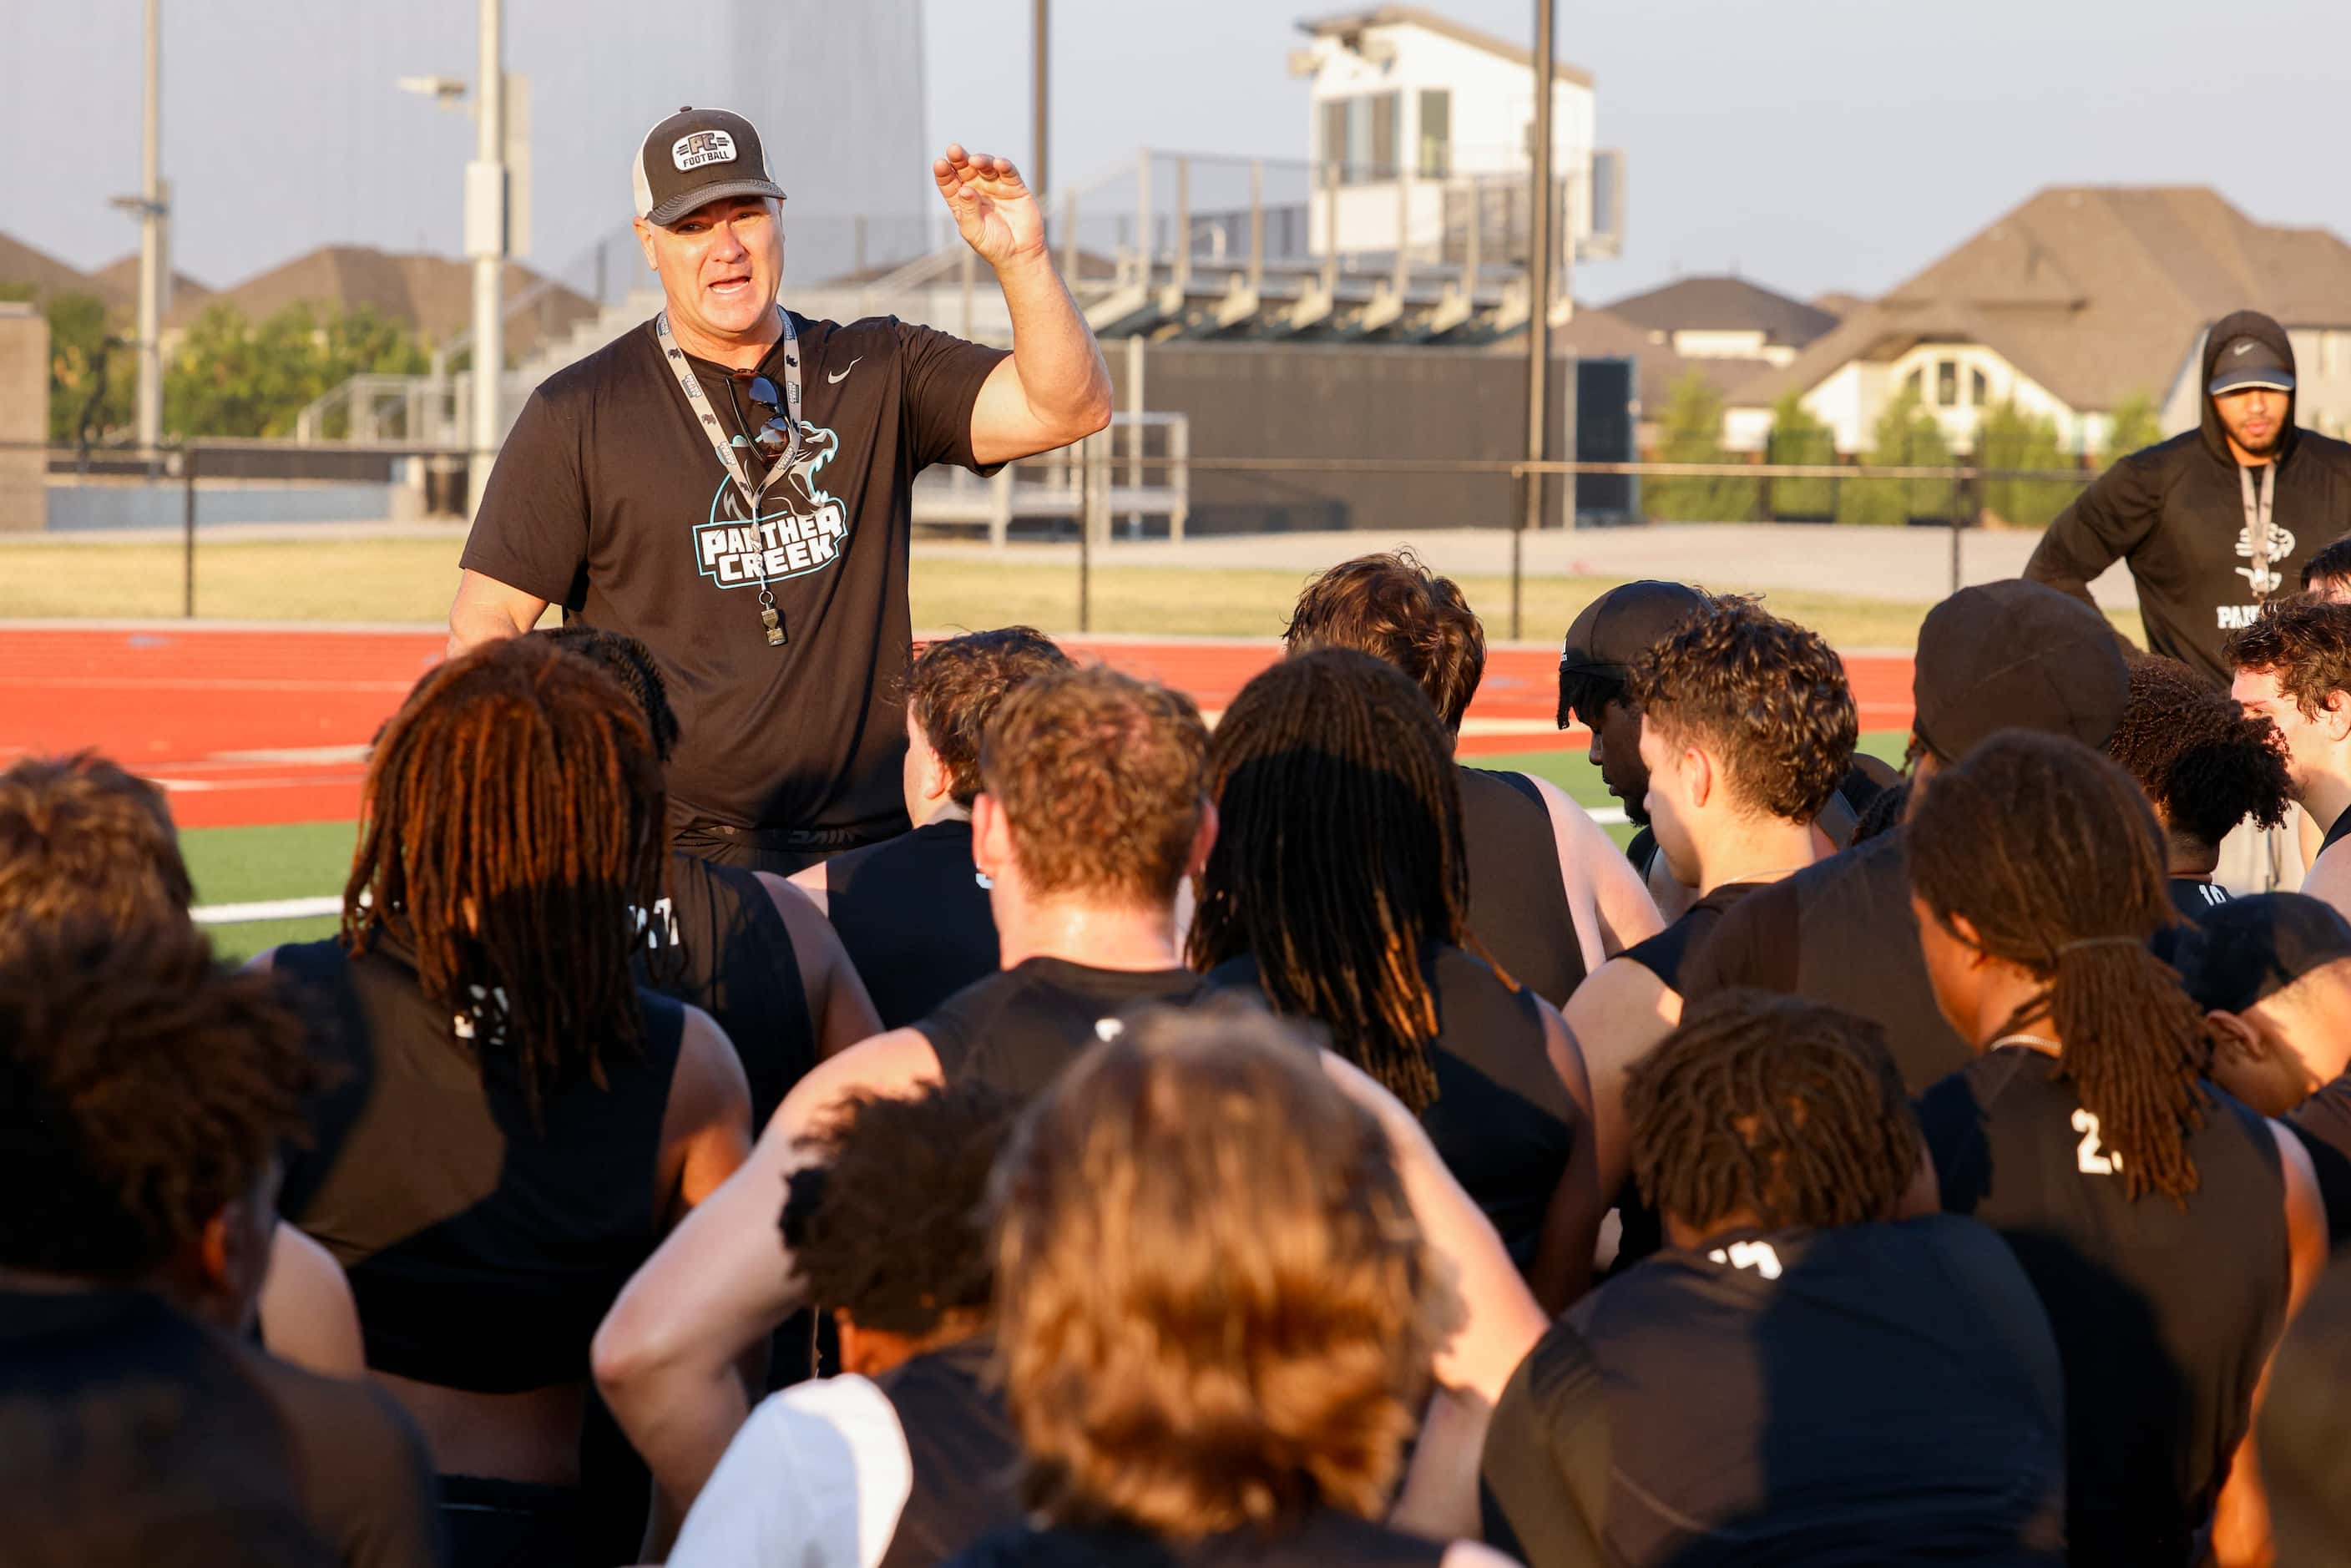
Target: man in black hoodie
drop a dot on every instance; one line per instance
(2214, 520)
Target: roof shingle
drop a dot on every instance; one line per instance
(2095, 291)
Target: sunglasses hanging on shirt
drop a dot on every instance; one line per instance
(773, 439)
(781, 435)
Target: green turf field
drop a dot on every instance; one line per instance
(411, 579)
(244, 866)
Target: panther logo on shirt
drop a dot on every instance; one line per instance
(800, 528)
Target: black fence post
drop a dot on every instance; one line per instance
(1518, 560)
(188, 532)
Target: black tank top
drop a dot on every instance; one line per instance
(914, 917)
(2196, 899)
(1323, 1539)
(2164, 1315)
(1501, 1121)
(2337, 831)
(1017, 1030)
(1662, 955)
(1840, 931)
(965, 1456)
(735, 962)
(1518, 905)
(482, 1248)
(1875, 1394)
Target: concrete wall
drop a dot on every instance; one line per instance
(1346, 404)
(24, 414)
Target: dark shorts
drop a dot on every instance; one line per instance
(492, 1523)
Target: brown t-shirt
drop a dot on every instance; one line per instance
(609, 501)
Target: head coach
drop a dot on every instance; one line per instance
(730, 484)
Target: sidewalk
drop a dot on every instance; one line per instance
(1909, 566)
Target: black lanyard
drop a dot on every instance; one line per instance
(720, 444)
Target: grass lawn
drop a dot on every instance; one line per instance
(246, 865)
(411, 580)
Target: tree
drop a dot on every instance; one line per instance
(2132, 425)
(1692, 432)
(234, 378)
(2008, 437)
(92, 371)
(1798, 438)
(1907, 436)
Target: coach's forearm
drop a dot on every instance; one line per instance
(1063, 377)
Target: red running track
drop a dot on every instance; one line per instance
(251, 726)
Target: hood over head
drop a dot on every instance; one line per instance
(2226, 330)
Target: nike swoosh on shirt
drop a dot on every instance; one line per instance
(833, 379)
(2239, 349)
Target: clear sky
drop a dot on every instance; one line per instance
(1812, 144)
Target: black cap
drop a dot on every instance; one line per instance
(2249, 363)
(1624, 624)
(2254, 947)
(2016, 656)
(697, 156)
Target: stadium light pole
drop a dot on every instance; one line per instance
(1539, 275)
(149, 206)
(1037, 89)
(485, 242)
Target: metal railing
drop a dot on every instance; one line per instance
(1136, 480)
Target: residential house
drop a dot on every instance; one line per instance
(24, 266)
(2074, 302)
(35, 271)
(431, 294)
(1423, 125)
(1725, 319)
(118, 282)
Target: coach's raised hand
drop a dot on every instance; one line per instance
(993, 206)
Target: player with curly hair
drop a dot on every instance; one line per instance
(1747, 727)
(1797, 1378)
(2206, 765)
(888, 1229)
(2293, 668)
(145, 1093)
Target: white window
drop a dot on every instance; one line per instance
(1435, 159)
(1360, 138)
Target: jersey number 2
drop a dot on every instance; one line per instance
(2092, 1159)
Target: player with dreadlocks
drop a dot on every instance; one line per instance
(515, 1123)
(1549, 896)
(1798, 1378)
(2206, 765)
(2165, 1226)
(1338, 887)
